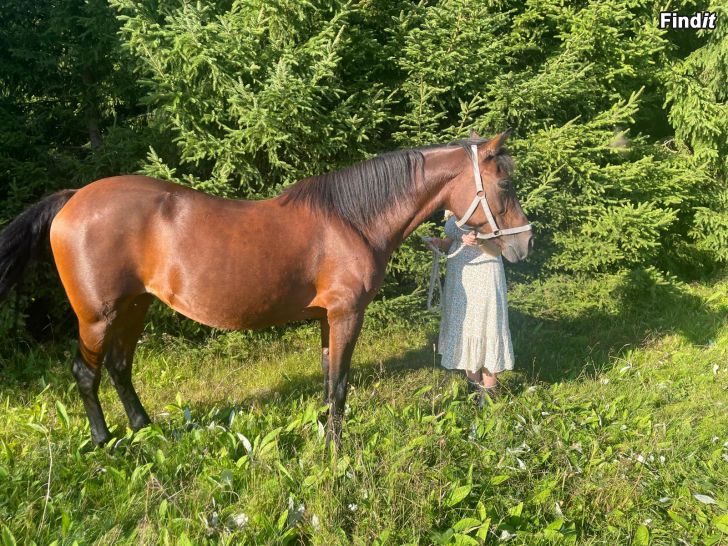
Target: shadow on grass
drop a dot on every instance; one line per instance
(556, 345)
(562, 349)
(309, 386)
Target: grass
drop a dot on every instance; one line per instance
(614, 431)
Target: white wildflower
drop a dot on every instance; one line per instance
(505, 535)
(295, 512)
(353, 507)
(315, 522)
(240, 520)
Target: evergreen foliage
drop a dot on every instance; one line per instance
(255, 95)
(64, 87)
(697, 96)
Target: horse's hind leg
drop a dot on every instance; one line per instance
(87, 371)
(124, 335)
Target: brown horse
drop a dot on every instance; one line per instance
(120, 241)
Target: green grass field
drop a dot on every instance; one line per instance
(614, 430)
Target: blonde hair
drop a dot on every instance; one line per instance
(448, 213)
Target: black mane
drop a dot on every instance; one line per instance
(361, 193)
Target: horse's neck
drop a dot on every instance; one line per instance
(427, 198)
(419, 213)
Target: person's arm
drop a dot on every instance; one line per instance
(441, 244)
(454, 233)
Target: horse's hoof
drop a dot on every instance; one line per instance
(136, 427)
(101, 441)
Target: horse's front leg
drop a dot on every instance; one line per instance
(345, 327)
(325, 356)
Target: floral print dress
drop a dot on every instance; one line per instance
(474, 332)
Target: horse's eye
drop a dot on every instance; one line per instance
(505, 185)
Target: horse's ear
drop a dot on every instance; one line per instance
(494, 145)
(474, 135)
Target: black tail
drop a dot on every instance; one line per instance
(23, 240)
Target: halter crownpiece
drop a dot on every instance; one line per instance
(480, 198)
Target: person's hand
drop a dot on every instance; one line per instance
(470, 239)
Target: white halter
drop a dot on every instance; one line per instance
(481, 199)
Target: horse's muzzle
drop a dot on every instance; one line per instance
(516, 248)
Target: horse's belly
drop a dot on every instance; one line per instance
(248, 309)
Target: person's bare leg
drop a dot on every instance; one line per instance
(483, 377)
(489, 380)
(475, 377)
(485, 383)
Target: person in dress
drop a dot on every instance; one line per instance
(474, 333)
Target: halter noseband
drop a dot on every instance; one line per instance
(480, 198)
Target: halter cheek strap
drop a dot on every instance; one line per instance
(482, 200)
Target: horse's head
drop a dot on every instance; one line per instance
(482, 197)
